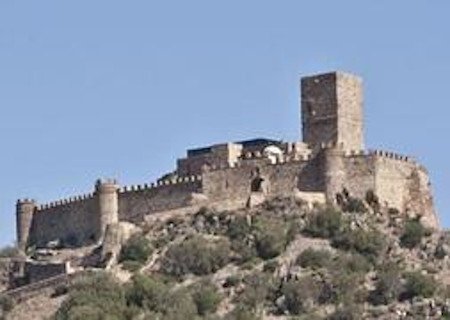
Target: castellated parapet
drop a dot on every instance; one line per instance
(330, 158)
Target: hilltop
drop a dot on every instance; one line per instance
(282, 259)
(319, 228)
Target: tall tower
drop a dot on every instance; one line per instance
(24, 217)
(332, 110)
(106, 192)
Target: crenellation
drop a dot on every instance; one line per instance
(330, 157)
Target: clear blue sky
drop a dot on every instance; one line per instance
(122, 88)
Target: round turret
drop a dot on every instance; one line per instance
(106, 192)
(24, 217)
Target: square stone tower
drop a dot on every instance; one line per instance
(332, 110)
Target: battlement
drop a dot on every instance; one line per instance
(64, 202)
(392, 155)
(161, 183)
(330, 156)
(26, 201)
(102, 181)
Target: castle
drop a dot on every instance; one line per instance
(331, 158)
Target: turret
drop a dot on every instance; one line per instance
(106, 192)
(24, 217)
(332, 110)
(334, 171)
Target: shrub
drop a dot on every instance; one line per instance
(131, 266)
(271, 237)
(352, 263)
(299, 293)
(258, 287)
(367, 243)
(196, 255)
(270, 266)
(324, 224)
(206, 298)
(60, 290)
(238, 228)
(232, 281)
(418, 284)
(147, 292)
(387, 286)
(180, 306)
(137, 249)
(245, 250)
(314, 258)
(346, 313)
(343, 288)
(9, 252)
(354, 205)
(413, 233)
(242, 313)
(96, 296)
(6, 304)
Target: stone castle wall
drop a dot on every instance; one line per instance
(281, 178)
(68, 221)
(138, 201)
(76, 220)
(398, 181)
(332, 115)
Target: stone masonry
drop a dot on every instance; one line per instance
(331, 157)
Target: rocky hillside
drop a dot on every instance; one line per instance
(280, 260)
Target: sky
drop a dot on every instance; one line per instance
(121, 89)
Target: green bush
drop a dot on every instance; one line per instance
(9, 252)
(131, 266)
(263, 237)
(344, 287)
(197, 255)
(351, 263)
(271, 237)
(418, 284)
(242, 313)
(346, 313)
(206, 297)
(6, 304)
(270, 266)
(258, 287)
(387, 285)
(244, 250)
(324, 224)
(147, 293)
(367, 243)
(238, 228)
(60, 290)
(180, 306)
(137, 249)
(354, 205)
(301, 294)
(413, 233)
(232, 281)
(314, 258)
(96, 296)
